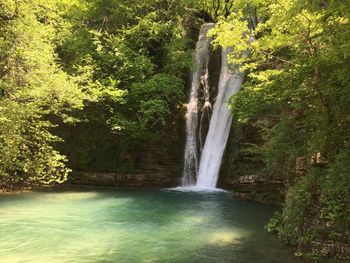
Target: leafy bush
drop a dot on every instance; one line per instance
(292, 223)
(35, 93)
(335, 199)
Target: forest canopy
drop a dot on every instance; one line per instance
(115, 66)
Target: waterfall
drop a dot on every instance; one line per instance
(204, 174)
(220, 124)
(200, 74)
(206, 109)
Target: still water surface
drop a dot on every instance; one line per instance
(134, 226)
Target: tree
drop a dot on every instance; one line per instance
(297, 91)
(33, 91)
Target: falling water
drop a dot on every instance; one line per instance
(202, 55)
(220, 123)
(206, 109)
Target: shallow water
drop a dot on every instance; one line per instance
(135, 226)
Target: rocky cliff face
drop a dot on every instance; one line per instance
(150, 178)
(242, 171)
(152, 170)
(255, 188)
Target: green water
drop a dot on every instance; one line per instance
(135, 226)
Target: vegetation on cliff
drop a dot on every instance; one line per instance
(105, 77)
(297, 94)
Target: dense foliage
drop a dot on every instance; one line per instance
(297, 92)
(133, 58)
(34, 93)
(107, 78)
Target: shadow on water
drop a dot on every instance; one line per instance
(121, 225)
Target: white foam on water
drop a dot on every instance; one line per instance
(197, 189)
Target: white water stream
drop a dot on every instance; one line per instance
(202, 55)
(220, 124)
(205, 174)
